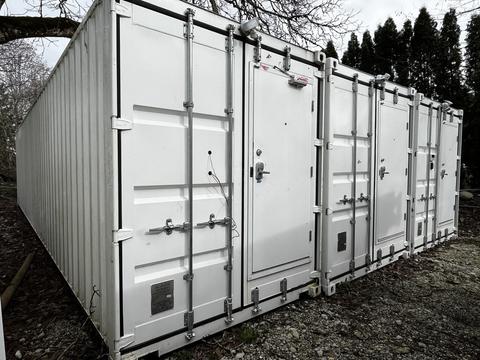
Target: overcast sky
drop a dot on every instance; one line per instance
(371, 13)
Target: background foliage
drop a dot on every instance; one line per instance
(429, 59)
(421, 54)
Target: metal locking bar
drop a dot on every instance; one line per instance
(379, 257)
(437, 167)
(168, 228)
(287, 59)
(228, 219)
(429, 155)
(257, 51)
(212, 222)
(188, 104)
(354, 170)
(283, 290)
(459, 167)
(395, 95)
(256, 301)
(371, 116)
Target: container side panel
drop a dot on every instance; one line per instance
(64, 160)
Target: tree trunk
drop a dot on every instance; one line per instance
(19, 27)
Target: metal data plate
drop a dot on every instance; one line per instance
(161, 297)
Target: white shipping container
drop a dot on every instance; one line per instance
(186, 176)
(381, 143)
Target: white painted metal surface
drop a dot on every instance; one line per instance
(377, 130)
(64, 167)
(186, 178)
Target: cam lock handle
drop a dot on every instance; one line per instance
(168, 228)
(382, 172)
(212, 222)
(260, 171)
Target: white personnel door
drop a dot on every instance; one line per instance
(391, 177)
(280, 169)
(446, 171)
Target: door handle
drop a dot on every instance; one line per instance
(260, 171)
(382, 172)
(443, 173)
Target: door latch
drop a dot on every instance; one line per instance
(212, 222)
(168, 228)
(382, 172)
(260, 171)
(363, 197)
(443, 173)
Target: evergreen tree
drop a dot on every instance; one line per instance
(472, 56)
(386, 38)
(351, 57)
(330, 50)
(424, 53)
(404, 54)
(367, 54)
(448, 74)
(471, 124)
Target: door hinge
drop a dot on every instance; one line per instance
(317, 209)
(121, 123)
(122, 235)
(406, 171)
(407, 125)
(311, 171)
(313, 105)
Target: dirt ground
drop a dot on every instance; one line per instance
(422, 308)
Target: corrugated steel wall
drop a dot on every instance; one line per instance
(64, 164)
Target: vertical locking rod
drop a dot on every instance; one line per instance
(371, 99)
(354, 169)
(412, 128)
(188, 104)
(459, 170)
(229, 113)
(429, 155)
(437, 169)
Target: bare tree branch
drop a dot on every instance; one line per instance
(19, 27)
(214, 5)
(303, 22)
(468, 11)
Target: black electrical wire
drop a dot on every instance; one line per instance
(213, 174)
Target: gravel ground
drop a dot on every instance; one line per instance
(423, 308)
